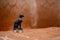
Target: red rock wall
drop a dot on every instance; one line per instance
(38, 13)
(48, 13)
(58, 12)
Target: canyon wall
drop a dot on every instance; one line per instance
(48, 13)
(58, 12)
(37, 13)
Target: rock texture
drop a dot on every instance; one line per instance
(38, 13)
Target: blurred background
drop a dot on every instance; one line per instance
(37, 13)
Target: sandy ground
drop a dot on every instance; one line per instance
(52, 33)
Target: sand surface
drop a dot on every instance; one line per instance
(52, 33)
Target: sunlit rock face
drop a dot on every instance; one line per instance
(38, 13)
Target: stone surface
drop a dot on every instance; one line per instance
(38, 13)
